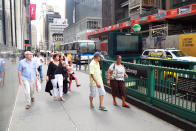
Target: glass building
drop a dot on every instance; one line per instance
(87, 8)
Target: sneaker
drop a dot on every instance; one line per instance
(78, 85)
(103, 108)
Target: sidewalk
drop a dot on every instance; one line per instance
(75, 115)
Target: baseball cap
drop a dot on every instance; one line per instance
(97, 54)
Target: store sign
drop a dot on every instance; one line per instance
(143, 19)
(102, 29)
(33, 11)
(184, 10)
(136, 71)
(161, 15)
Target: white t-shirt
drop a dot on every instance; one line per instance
(71, 69)
(66, 60)
(39, 60)
(118, 71)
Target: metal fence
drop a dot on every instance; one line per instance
(171, 89)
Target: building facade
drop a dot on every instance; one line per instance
(87, 8)
(58, 39)
(161, 26)
(85, 15)
(49, 19)
(69, 10)
(78, 31)
(14, 24)
(56, 29)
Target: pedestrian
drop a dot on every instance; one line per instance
(2, 72)
(40, 62)
(69, 56)
(96, 82)
(78, 60)
(66, 59)
(27, 72)
(65, 74)
(72, 75)
(116, 74)
(55, 73)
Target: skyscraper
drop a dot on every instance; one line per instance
(87, 8)
(49, 19)
(69, 10)
(76, 10)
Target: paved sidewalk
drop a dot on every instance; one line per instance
(75, 115)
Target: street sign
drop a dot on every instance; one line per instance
(26, 43)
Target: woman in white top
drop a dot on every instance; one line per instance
(116, 74)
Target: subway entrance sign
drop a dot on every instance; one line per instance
(124, 44)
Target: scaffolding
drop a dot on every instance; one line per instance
(137, 7)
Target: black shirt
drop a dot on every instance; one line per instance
(54, 69)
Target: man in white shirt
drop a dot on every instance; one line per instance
(40, 61)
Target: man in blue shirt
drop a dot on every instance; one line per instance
(2, 72)
(27, 72)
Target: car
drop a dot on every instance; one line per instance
(170, 54)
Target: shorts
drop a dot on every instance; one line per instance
(94, 89)
(118, 88)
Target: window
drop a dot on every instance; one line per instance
(146, 53)
(179, 53)
(168, 55)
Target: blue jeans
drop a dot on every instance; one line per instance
(78, 63)
(40, 72)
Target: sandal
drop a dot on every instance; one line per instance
(27, 107)
(103, 108)
(55, 98)
(62, 99)
(92, 107)
(115, 104)
(125, 105)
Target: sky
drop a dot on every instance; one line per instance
(58, 5)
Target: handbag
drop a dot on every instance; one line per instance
(114, 73)
(38, 86)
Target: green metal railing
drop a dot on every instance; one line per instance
(162, 62)
(171, 89)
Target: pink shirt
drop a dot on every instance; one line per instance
(71, 69)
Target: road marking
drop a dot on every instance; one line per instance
(11, 118)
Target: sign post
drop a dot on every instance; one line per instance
(26, 44)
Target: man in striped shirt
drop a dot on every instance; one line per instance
(96, 82)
